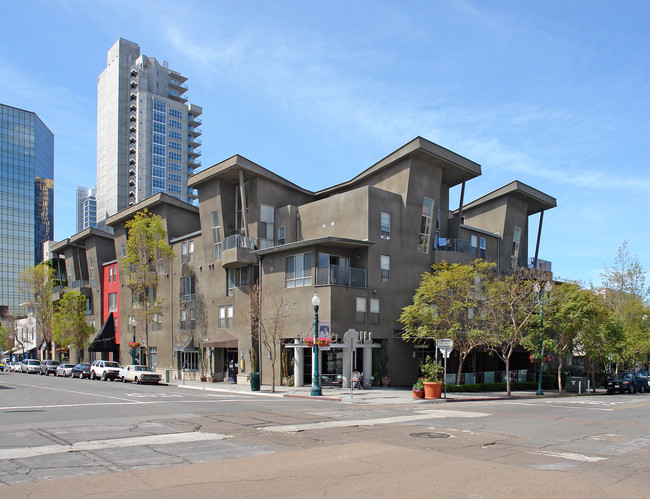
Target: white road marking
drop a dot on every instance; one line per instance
(569, 455)
(90, 445)
(434, 414)
(131, 402)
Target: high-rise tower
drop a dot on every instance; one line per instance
(147, 133)
(27, 201)
(86, 208)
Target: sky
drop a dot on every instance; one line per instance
(554, 94)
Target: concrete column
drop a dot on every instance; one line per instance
(347, 368)
(299, 367)
(367, 365)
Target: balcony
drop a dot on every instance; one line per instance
(79, 284)
(173, 94)
(193, 162)
(194, 120)
(543, 265)
(195, 153)
(237, 251)
(451, 244)
(178, 85)
(193, 141)
(340, 275)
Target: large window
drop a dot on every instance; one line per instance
(91, 272)
(482, 248)
(298, 270)
(217, 242)
(361, 310)
(385, 225)
(266, 228)
(516, 239)
(156, 323)
(187, 252)
(182, 317)
(385, 268)
(226, 313)
(282, 235)
(153, 357)
(188, 361)
(474, 246)
(237, 278)
(374, 311)
(187, 289)
(112, 302)
(426, 220)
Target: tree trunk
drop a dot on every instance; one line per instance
(559, 374)
(461, 361)
(508, 391)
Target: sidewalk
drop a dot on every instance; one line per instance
(374, 395)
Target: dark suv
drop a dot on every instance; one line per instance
(49, 367)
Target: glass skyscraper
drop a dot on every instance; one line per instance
(26, 199)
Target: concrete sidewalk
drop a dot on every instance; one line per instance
(374, 395)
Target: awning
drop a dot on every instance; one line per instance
(105, 339)
(186, 345)
(44, 345)
(223, 339)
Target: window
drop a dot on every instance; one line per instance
(237, 278)
(281, 235)
(298, 270)
(153, 357)
(187, 289)
(361, 310)
(192, 318)
(183, 318)
(156, 322)
(516, 239)
(160, 266)
(266, 230)
(385, 225)
(474, 246)
(425, 225)
(187, 252)
(374, 310)
(482, 247)
(123, 249)
(112, 302)
(91, 272)
(239, 220)
(226, 316)
(385, 268)
(188, 360)
(217, 243)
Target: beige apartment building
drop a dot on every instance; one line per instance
(361, 246)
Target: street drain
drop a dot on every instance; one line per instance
(430, 435)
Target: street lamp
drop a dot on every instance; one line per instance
(315, 387)
(542, 297)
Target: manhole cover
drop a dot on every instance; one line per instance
(430, 435)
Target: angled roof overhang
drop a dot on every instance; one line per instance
(151, 202)
(340, 242)
(536, 200)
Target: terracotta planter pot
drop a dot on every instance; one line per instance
(432, 390)
(418, 394)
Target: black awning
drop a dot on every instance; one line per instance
(105, 339)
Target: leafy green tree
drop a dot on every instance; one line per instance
(5, 338)
(146, 245)
(38, 282)
(509, 309)
(69, 325)
(450, 302)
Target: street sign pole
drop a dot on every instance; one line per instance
(445, 346)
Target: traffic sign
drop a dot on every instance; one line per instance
(445, 344)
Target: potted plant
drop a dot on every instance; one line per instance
(418, 389)
(432, 374)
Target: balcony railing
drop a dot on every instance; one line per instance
(340, 275)
(239, 241)
(79, 284)
(451, 244)
(544, 265)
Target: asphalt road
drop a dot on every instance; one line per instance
(64, 437)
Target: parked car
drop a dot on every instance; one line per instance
(49, 366)
(81, 371)
(104, 369)
(64, 370)
(15, 367)
(31, 366)
(139, 374)
(626, 382)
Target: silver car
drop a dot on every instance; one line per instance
(64, 370)
(32, 366)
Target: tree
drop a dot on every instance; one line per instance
(6, 338)
(450, 303)
(509, 309)
(38, 282)
(268, 318)
(146, 246)
(69, 325)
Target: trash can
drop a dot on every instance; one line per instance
(255, 382)
(576, 384)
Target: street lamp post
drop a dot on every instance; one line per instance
(315, 387)
(647, 363)
(132, 323)
(542, 296)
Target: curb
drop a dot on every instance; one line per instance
(292, 396)
(230, 392)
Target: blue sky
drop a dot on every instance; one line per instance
(554, 94)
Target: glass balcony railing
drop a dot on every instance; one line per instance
(340, 275)
(79, 284)
(451, 244)
(544, 265)
(239, 241)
